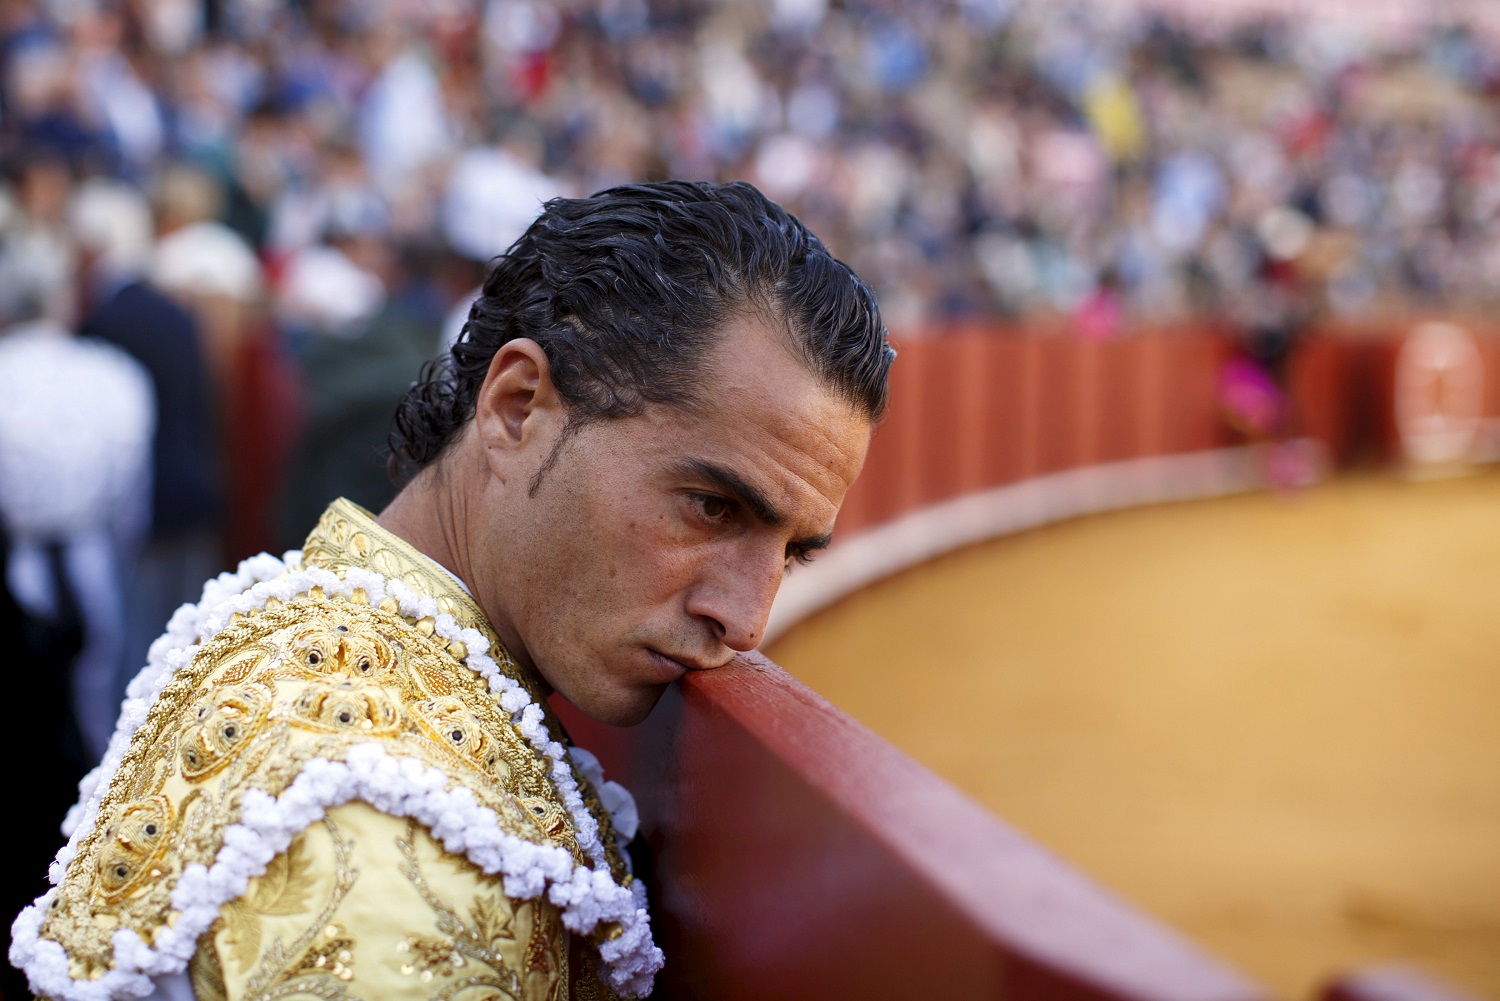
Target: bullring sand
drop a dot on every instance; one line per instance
(1273, 722)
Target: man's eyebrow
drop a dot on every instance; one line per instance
(764, 511)
(735, 486)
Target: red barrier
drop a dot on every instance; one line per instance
(974, 410)
(797, 855)
(1004, 416)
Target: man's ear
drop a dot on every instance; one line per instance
(517, 413)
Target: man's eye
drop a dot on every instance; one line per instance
(800, 557)
(712, 508)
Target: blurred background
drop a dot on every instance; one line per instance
(231, 232)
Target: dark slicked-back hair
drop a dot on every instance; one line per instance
(627, 292)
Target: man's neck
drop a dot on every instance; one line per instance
(429, 514)
(423, 516)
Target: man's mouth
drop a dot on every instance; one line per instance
(669, 668)
(682, 665)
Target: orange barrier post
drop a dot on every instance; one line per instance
(1118, 406)
(1149, 381)
(1056, 423)
(1001, 415)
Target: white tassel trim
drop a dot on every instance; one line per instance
(401, 787)
(631, 960)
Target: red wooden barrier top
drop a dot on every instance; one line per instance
(795, 854)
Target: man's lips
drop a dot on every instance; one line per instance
(667, 668)
(670, 667)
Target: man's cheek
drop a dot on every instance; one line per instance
(644, 564)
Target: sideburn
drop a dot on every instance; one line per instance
(569, 431)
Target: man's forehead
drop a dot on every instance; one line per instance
(798, 447)
(768, 427)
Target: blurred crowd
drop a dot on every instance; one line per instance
(969, 157)
(265, 214)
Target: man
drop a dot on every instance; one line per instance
(345, 781)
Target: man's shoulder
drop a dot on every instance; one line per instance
(324, 677)
(305, 692)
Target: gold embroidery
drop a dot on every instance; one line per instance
(243, 735)
(135, 842)
(589, 985)
(223, 725)
(348, 707)
(454, 726)
(548, 815)
(334, 954)
(322, 949)
(207, 975)
(348, 536)
(318, 987)
(334, 650)
(480, 939)
(306, 678)
(238, 667)
(539, 947)
(283, 889)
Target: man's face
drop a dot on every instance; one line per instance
(655, 544)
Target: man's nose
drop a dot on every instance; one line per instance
(736, 602)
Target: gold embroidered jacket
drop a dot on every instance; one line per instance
(363, 902)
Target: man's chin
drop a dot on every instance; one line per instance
(626, 708)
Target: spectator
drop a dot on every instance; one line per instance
(112, 228)
(75, 434)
